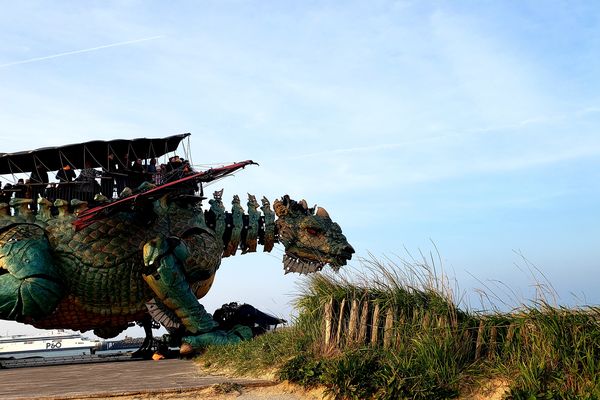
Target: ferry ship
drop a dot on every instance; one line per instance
(53, 344)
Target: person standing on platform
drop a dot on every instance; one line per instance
(136, 174)
(89, 186)
(65, 174)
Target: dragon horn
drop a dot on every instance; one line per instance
(280, 208)
(321, 212)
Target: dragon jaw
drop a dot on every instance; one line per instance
(311, 239)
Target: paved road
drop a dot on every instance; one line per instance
(63, 381)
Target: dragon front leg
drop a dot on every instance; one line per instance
(30, 287)
(170, 286)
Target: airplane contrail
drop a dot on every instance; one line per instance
(68, 53)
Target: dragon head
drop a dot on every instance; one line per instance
(311, 239)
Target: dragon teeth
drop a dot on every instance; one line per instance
(287, 264)
(304, 269)
(291, 264)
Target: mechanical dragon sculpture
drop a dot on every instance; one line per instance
(157, 254)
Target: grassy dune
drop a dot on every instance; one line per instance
(396, 332)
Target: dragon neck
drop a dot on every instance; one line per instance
(240, 230)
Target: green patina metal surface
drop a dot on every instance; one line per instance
(103, 276)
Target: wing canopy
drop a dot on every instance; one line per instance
(96, 152)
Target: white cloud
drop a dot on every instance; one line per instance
(80, 51)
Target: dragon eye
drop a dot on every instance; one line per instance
(312, 231)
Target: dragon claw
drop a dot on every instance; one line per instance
(192, 344)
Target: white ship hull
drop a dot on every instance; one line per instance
(52, 345)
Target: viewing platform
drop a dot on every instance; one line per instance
(111, 379)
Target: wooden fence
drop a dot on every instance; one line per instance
(362, 322)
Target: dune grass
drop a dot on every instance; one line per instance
(437, 351)
(263, 354)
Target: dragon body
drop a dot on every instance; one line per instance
(161, 255)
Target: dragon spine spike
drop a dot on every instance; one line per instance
(269, 234)
(44, 201)
(252, 228)
(240, 230)
(78, 206)
(235, 225)
(100, 198)
(62, 206)
(44, 209)
(21, 207)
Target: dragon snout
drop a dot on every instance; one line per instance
(348, 250)
(341, 255)
(344, 254)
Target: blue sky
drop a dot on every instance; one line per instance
(471, 125)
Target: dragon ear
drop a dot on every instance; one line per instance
(280, 208)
